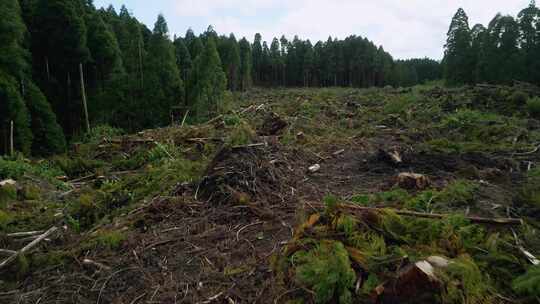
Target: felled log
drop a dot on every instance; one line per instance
(474, 219)
(28, 247)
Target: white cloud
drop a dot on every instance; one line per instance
(412, 28)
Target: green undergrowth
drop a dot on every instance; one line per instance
(332, 251)
(457, 194)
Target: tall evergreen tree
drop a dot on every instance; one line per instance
(211, 82)
(257, 54)
(163, 85)
(457, 56)
(245, 64)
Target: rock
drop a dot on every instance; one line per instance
(413, 181)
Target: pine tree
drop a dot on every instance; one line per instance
(211, 82)
(458, 57)
(230, 58)
(13, 108)
(245, 64)
(529, 23)
(12, 76)
(183, 58)
(48, 135)
(257, 54)
(163, 85)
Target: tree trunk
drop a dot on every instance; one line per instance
(83, 93)
(11, 143)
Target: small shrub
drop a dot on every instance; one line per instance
(241, 134)
(530, 192)
(31, 193)
(101, 132)
(327, 271)
(519, 98)
(5, 219)
(458, 193)
(533, 107)
(7, 193)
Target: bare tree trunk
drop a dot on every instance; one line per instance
(47, 69)
(83, 93)
(11, 143)
(141, 65)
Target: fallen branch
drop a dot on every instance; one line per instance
(28, 247)
(250, 146)
(473, 219)
(24, 234)
(7, 252)
(528, 153)
(89, 262)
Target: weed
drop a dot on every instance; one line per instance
(110, 239)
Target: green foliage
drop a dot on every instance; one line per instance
(110, 239)
(241, 134)
(465, 282)
(519, 98)
(327, 271)
(530, 192)
(13, 108)
(7, 193)
(529, 283)
(102, 132)
(533, 107)
(48, 135)
(458, 193)
(31, 192)
(208, 82)
(5, 219)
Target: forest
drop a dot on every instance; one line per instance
(142, 166)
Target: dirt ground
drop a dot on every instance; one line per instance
(214, 240)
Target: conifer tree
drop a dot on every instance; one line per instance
(12, 68)
(245, 64)
(458, 57)
(163, 85)
(211, 82)
(257, 55)
(48, 135)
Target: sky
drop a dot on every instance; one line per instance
(405, 28)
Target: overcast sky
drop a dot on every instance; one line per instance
(405, 28)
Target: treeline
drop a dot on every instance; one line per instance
(136, 78)
(352, 62)
(507, 49)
